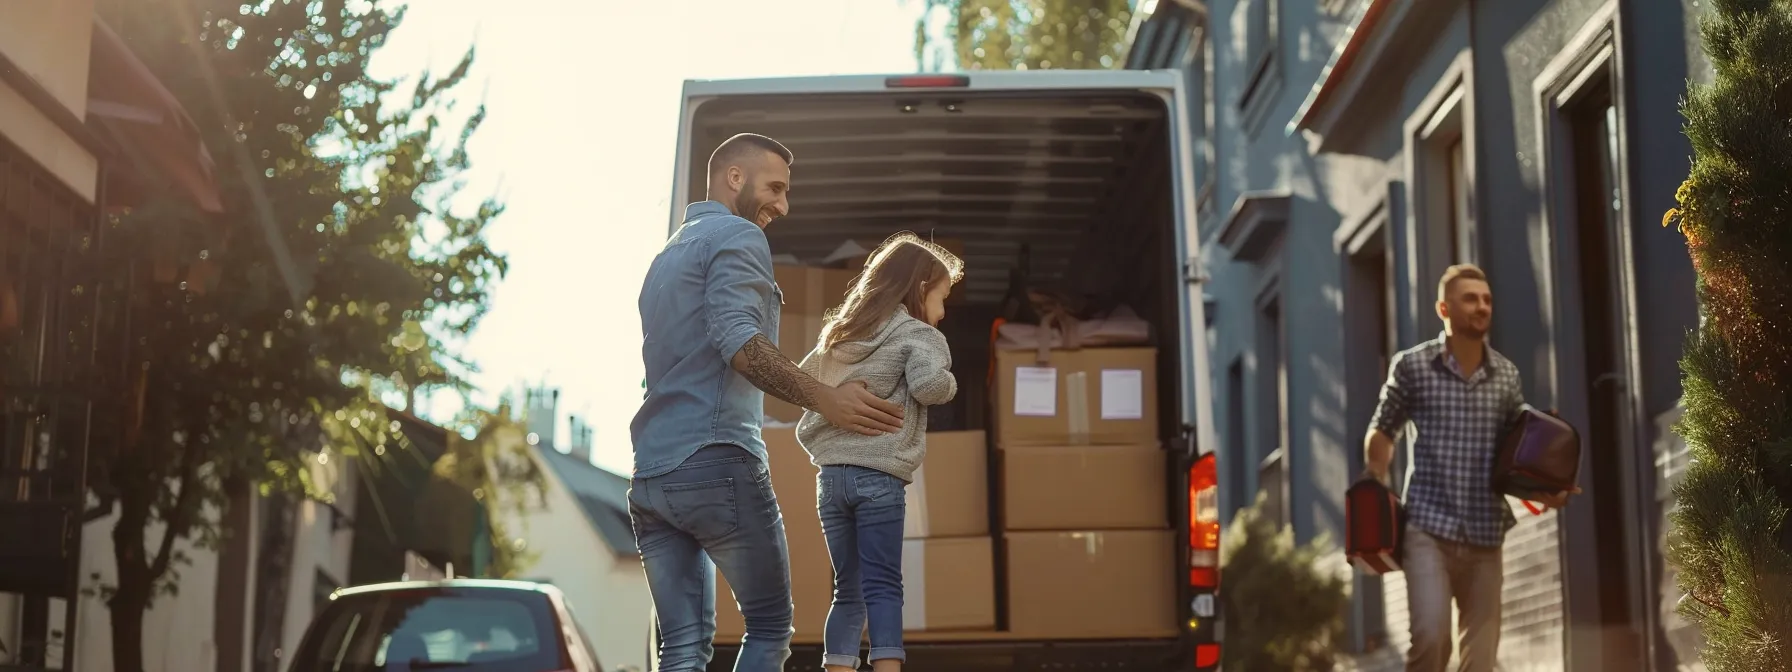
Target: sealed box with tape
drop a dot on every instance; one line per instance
(1084, 487)
(950, 493)
(1074, 397)
(1059, 581)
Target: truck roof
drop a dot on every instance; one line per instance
(1005, 80)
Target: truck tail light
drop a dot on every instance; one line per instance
(1207, 656)
(1203, 523)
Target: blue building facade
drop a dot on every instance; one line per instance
(1351, 150)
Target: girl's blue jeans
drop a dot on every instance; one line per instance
(861, 515)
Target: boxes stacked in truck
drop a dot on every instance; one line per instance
(808, 292)
(948, 557)
(1082, 502)
(948, 564)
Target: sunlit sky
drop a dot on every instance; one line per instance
(583, 99)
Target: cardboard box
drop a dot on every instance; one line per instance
(950, 495)
(808, 294)
(1092, 585)
(1076, 397)
(951, 580)
(1084, 487)
(948, 584)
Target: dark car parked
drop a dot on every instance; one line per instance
(466, 625)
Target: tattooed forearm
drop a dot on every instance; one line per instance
(762, 364)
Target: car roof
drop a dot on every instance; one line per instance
(476, 584)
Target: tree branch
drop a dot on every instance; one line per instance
(180, 517)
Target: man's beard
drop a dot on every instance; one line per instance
(748, 207)
(1468, 329)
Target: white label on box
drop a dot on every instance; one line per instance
(1036, 391)
(1122, 394)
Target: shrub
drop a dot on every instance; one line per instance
(1283, 603)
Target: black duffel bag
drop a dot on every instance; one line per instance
(1538, 455)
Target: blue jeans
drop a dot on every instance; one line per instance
(717, 505)
(861, 514)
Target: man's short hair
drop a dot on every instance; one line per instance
(736, 149)
(1458, 272)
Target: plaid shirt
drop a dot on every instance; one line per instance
(1449, 486)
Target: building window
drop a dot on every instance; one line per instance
(1272, 415)
(1462, 221)
(1441, 175)
(1261, 73)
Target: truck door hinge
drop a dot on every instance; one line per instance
(1192, 273)
(1184, 442)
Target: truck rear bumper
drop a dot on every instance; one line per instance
(1153, 655)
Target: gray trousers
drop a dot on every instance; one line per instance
(1437, 573)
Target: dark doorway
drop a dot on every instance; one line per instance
(1369, 346)
(1237, 459)
(1593, 143)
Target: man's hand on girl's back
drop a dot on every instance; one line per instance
(852, 407)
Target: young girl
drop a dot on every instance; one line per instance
(883, 335)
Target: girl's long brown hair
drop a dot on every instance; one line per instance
(892, 277)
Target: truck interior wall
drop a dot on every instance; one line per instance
(1133, 260)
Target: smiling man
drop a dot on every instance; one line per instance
(701, 490)
(1458, 393)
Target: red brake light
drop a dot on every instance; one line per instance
(1203, 523)
(1207, 655)
(927, 82)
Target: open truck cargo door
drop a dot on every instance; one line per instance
(1075, 182)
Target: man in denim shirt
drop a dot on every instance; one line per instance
(701, 490)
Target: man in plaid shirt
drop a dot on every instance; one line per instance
(1458, 393)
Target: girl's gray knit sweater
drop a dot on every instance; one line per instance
(907, 363)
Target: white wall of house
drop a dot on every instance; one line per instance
(608, 593)
(177, 631)
(319, 548)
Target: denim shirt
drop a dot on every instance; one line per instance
(706, 294)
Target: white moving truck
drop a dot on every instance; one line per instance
(1079, 179)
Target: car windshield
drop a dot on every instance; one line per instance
(469, 630)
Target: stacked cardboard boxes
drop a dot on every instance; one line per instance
(1082, 500)
(948, 564)
(948, 557)
(809, 293)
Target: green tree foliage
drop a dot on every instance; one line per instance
(1730, 542)
(1283, 603)
(268, 339)
(498, 467)
(1029, 34)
